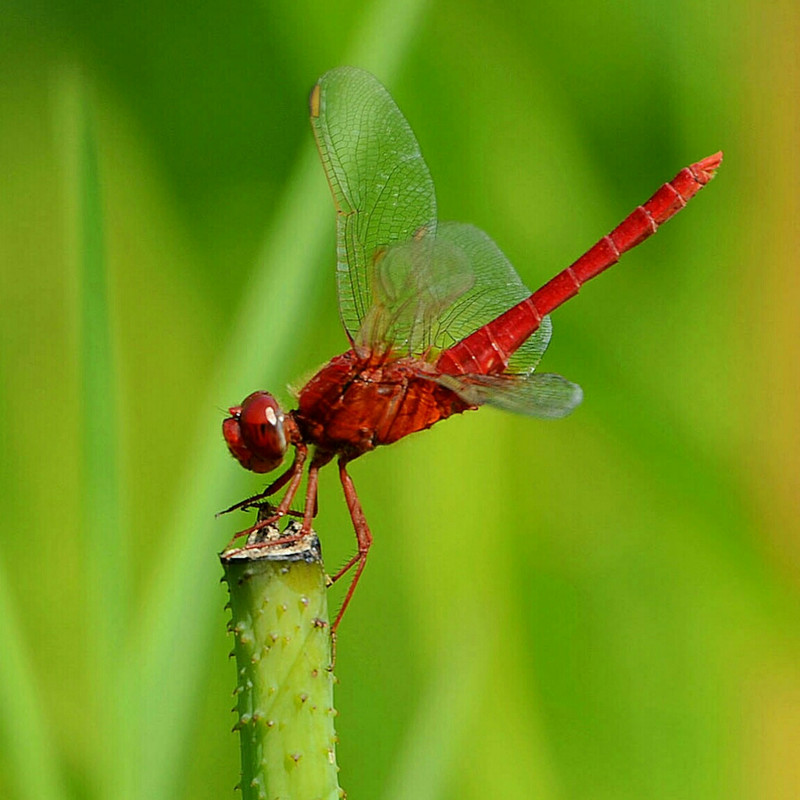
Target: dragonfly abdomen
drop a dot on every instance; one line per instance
(488, 350)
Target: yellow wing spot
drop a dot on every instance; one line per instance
(313, 102)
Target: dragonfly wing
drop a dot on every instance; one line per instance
(538, 395)
(381, 186)
(435, 289)
(413, 284)
(495, 288)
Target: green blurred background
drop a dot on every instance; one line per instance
(600, 607)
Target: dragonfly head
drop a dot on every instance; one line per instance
(256, 432)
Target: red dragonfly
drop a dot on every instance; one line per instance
(437, 319)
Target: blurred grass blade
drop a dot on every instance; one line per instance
(24, 735)
(104, 555)
(163, 678)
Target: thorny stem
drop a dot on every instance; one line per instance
(279, 618)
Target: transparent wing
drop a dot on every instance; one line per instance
(432, 291)
(538, 395)
(413, 284)
(495, 288)
(381, 186)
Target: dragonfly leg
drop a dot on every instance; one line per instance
(294, 475)
(275, 486)
(319, 460)
(363, 536)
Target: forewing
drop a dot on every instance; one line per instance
(381, 186)
(413, 284)
(495, 288)
(538, 395)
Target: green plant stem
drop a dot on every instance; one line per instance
(279, 618)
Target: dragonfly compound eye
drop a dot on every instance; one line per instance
(255, 432)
